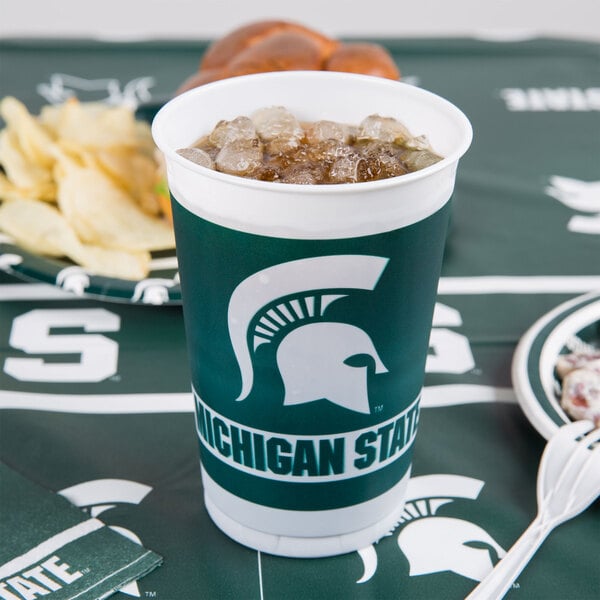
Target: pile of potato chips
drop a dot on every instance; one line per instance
(83, 181)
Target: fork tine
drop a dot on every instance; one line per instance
(571, 431)
(563, 463)
(582, 445)
(556, 454)
(591, 438)
(589, 461)
(593, 463)
(576, 459)
(586, 487)
(577, 427)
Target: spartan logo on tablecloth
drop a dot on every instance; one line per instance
(100, 495)
(434, 544)
(582, 196)
(286, 304)
(110, 90)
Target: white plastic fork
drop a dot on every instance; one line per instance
(568, 482)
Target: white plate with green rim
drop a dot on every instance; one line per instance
(160, 287)
(533, 369)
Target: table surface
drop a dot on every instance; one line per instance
(113, 405)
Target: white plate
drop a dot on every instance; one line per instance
(535, 358)
(161, 287)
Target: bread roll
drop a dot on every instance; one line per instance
(223, 51)
(283, 46)
(283, 51)
(368, 59)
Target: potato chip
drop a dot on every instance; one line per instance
(134, 172)
(100, 166)
(20, 170)
(37, 226)
(92, 124)
(115, 263)
(40, 191)
(35, 142)
(102, 213)
(42, 229)
(144, 137)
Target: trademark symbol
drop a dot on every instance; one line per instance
(150, 594)
(86, 570)
(378, 408)
(116, 378)
(516, 585)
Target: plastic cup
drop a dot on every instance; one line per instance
(308, 311)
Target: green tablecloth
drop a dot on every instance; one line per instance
(525, 236)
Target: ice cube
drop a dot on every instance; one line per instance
(282, 145)
(321, 131)
(384, 159)
(276, 122)
(268, 173)
(419, 159)
(385, 129)
(240, 157)
(303, 173)
(418, 143)
(328, 150)
(390, 166)
(348, 169)
(241, 128)
(198, 156)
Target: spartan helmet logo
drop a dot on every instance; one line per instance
(286, 304)
(461, 547)
(433, 543)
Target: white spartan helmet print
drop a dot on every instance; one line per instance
(288, 302)
(433, 543)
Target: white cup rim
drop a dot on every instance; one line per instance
(160, 127)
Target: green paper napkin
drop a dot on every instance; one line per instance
(51, 549)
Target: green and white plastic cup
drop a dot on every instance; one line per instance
(308, 312)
